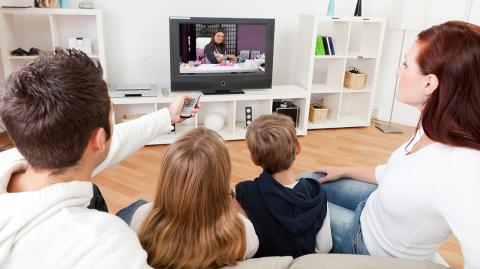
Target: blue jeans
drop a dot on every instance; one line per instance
(127, 213)
(346, 199)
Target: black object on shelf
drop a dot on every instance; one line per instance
(287, 108)
(33, 51)
(358, 9)
(18, 52)
(22, 52)
(248, 116)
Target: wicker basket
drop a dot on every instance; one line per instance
(318, 113)
(354, 80)
(129, 116)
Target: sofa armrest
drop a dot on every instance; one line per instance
(344, 261)
(282, 262)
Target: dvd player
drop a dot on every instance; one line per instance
(133, 90)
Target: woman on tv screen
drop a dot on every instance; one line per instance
(215, 51)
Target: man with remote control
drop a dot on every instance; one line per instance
(59, 115)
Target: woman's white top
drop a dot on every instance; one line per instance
(324, 240)
(421, 199)
(250, 235)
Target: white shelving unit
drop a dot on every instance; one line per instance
(46, 29)
(358, 42)
(231, 107)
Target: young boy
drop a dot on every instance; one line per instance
(290, 215)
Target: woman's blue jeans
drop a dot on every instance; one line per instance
(127, 213)
(346, 199)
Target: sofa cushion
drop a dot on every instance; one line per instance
(343, 261)
(264, 263)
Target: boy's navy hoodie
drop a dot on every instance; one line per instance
(286, 220)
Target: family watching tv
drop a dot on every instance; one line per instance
(221, 55)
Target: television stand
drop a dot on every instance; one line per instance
(212, 92)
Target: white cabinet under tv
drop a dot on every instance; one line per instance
(230, 106)
(358, 43)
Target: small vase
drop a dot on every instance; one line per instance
(64, 4)
(358, 9)
(331, 8)
(86, 4)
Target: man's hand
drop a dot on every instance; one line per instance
(176, 107)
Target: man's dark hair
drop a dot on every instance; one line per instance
(52, 106)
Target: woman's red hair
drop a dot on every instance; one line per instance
(451, 114)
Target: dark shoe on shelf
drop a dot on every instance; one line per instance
(33, 51)
(18, 52)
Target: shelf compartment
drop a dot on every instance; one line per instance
(301, 103)
(27, 31)
(225, 109)
(331, 101)
(329, 72)
(259, 107)
(355, 109)
(120, 110)
(65, 27)
(365, 39)
(366, 66)
(338, 30)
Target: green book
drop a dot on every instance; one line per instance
(319, 49)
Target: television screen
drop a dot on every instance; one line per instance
(222, 55)
(222, 48)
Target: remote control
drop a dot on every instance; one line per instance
(189, 106)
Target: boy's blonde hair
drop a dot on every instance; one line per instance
(272, 141)
(192, 223)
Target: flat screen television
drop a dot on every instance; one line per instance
(221, 55)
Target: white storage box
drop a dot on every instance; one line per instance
(81, 43)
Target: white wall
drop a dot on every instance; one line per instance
(432, 12)
(137, 38)
(137, 35)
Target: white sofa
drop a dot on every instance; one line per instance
(337, 261)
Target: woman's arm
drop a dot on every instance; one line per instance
(209, 54)
(324, 236)
(367, 174)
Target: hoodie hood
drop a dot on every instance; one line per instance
(299, 209)
(23, 211)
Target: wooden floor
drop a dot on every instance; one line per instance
(135, 177)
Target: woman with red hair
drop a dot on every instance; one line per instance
(430, 187)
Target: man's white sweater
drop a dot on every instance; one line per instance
(52, 227)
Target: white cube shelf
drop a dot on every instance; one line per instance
(358, 43)
(47, 29)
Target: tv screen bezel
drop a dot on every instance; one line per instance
(219, 82)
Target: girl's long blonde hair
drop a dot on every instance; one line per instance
(192, 223)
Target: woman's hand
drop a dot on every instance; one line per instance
(333, 173)
(221, 59)
(232, 58)
(366, 173)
